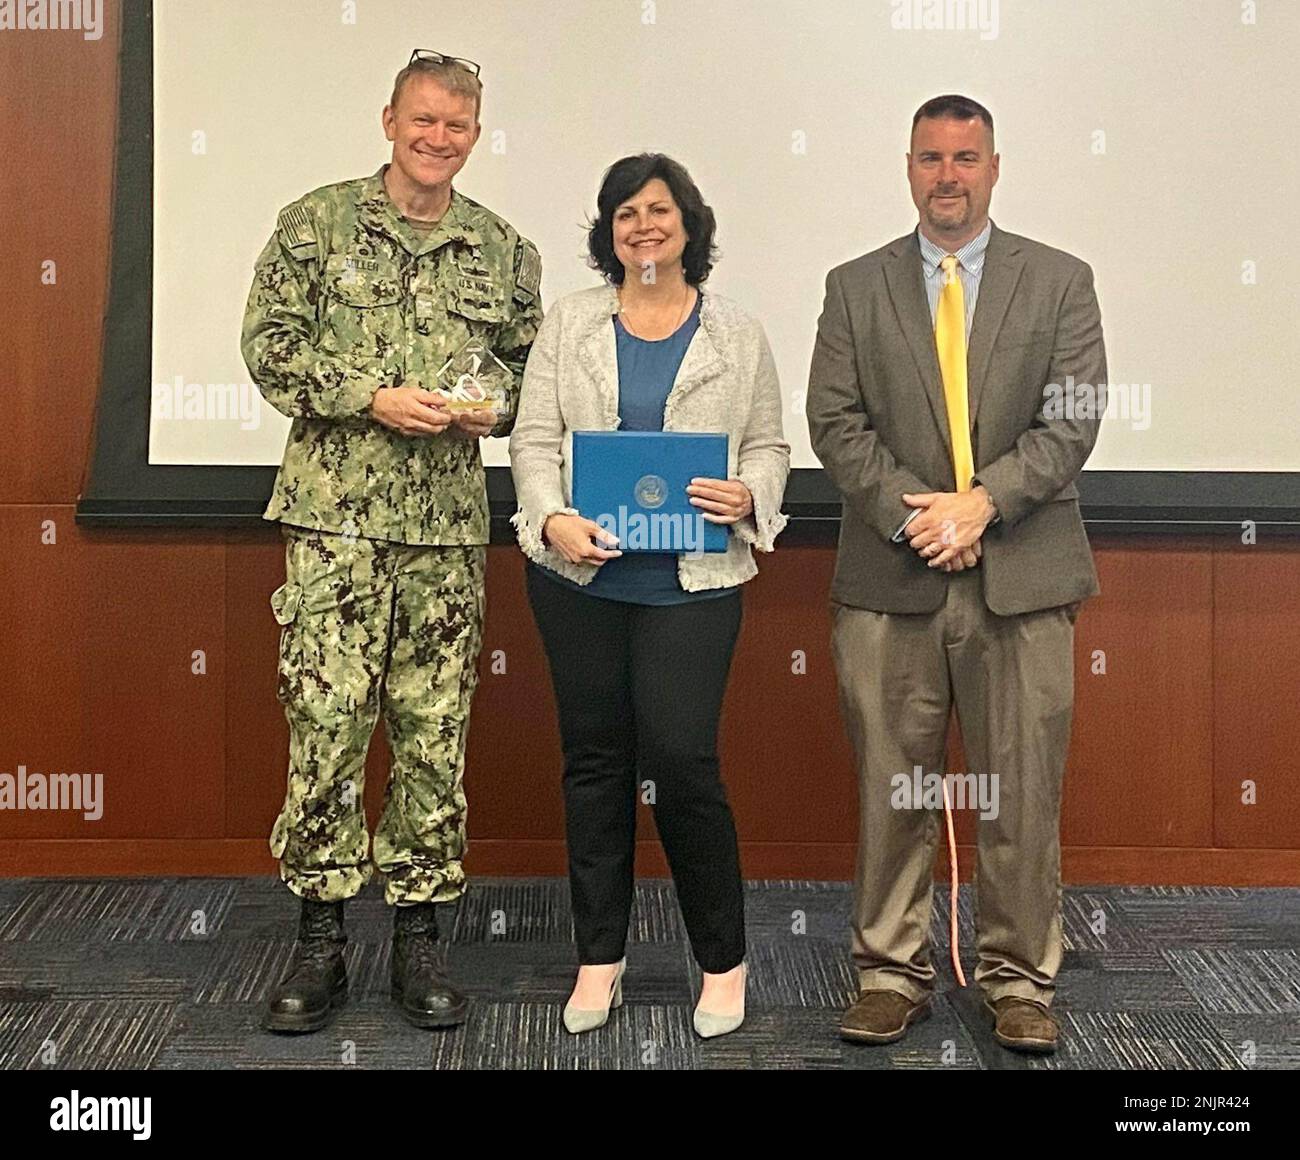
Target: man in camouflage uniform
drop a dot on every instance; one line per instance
(366, 291)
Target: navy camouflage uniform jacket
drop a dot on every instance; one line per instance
(347, 298)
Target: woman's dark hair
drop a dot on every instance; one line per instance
(624, 180)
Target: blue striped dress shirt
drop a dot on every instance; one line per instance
(970, 267)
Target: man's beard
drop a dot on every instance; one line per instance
(949, 222)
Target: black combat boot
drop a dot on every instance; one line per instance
(420, 988)
(316, 981)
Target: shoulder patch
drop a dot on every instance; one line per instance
(528, 270)
(296, 230)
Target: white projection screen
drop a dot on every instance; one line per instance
(1153, 138)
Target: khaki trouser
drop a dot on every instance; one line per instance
(1012, 679)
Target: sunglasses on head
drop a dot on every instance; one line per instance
(442, 58)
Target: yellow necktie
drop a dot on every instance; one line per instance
(950, 342)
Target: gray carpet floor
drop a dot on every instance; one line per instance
(172, 973)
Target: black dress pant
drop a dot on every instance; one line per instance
(639, 689)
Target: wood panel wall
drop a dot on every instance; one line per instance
(1198, 639)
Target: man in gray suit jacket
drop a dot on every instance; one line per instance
(957, 385)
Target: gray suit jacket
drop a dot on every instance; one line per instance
(1036, 368)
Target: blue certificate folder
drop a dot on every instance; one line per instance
(633, 483)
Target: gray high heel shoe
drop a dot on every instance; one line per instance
(577, 1019)
(708, 1025)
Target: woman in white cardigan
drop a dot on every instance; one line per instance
(640, 645)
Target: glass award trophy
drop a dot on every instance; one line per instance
(474, 379)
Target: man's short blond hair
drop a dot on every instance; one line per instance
(453, 77)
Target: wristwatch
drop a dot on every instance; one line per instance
(997, 515)
(898, 536)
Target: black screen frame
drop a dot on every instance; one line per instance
(123, 489)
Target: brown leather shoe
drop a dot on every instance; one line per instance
(1023, 1025)
(882, 1017)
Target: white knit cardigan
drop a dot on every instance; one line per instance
(727, 382)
